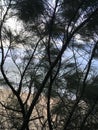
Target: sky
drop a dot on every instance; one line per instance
(17, 26)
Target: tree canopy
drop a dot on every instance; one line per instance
(49, 56)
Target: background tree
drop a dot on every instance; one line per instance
(53, 53)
